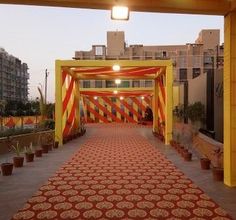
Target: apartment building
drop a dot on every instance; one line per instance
(13, 78)
(190, 60)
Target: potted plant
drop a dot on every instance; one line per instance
(187, 155)
(38, 151)
(196, 113)
(205, 163)
(82, 129)
(29, 155)
(217, 169)
(18, 160)
(46, 142)
(56, 143)
(7, 168)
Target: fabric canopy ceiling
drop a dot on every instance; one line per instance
(133, 93)
(108, 72)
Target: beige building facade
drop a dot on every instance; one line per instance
(198, 69)
(190, 60)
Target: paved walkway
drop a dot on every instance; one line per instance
(117, 173)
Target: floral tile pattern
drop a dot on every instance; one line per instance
(118, 174)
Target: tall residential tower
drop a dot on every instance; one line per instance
(13, 78)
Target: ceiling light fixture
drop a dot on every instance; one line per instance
(115, 92)
(121, 98)
(117, 81)
(142, 97)
(116, 67)
(95, 97)
(120, 13)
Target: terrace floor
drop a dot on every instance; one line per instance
(115, 171)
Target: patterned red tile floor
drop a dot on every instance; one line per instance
(118, 174)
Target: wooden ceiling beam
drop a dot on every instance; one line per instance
(211, 7)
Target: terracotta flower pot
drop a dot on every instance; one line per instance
(50, 147)
(29, 157)
(172, 143)
(183, 152)
(38, 153)
(7, 169)
(18, 161)
(218, 173)
(205, 163)
(56, 144)
(187, 156)
(45, 149)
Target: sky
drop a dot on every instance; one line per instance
(40, 35)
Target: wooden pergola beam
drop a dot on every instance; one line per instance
(211, 7)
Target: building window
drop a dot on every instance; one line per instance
(164, 54)
(98, 83)
(196, 72)
(197, 61)
(98, 50)
(148, 83)
(113, 99)
(183, 74)
(136, 83)
(86, 84)
(110, 84)
(124, 84)
(207, 59)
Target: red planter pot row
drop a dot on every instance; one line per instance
(217, 172)
(7, 168)
(73, 136)
(181, 150)
(159, 136)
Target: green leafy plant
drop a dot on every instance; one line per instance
(49, 124)
(46, 138)
(218, 153)
(196, 112)
(179, 112)
(17, 149)
(29, 149)
(13, 131)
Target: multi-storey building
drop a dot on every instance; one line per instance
(13, 78)
(190, 60)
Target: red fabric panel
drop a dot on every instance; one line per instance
(95, 102)
(68, 95)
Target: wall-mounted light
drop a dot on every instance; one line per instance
(95, 97)
(120, 13)
(121, 98)
(142, 97)
(116, 67)
(115, 92)
(117, 81)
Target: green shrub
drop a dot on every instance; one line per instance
(196, 112)
(13, 131)
(49, 124)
